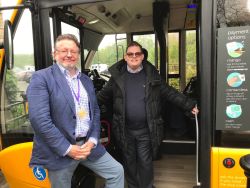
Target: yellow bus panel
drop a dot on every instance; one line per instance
(14, 164)
(226, 171)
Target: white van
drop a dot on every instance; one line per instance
(101, 68)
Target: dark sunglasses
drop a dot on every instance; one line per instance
(136, 54)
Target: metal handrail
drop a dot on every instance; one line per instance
(198, 183)
(197, 149)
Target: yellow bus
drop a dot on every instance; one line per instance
(199, 47)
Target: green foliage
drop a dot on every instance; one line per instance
(190, 55)
(108, 54)
(173, 57)
(173, 50)
(13, 97)
(174, 82)
(191, 48)
(10, 86)
(23, 59)
(148, 43)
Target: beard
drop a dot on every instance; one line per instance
(68, 66)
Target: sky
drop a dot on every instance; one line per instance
(23, 38)
(7, 13)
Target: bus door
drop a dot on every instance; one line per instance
(231, 130)
(15, 126)
(16, 133)
(32, 51)
(52, 18)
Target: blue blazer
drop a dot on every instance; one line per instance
(53, 118)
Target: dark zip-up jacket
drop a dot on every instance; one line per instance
(157, 94)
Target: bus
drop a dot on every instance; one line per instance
(199, 47)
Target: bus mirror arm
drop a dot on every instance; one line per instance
(8, 44)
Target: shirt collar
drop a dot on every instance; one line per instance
(136, 70)
(66, 72)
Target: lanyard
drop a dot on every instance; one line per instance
(77, 96)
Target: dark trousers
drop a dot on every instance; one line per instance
(138, 162)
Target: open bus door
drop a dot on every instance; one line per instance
(224, 92)
(14, 126)
(16, 134)
(232, 129)
(48, 19)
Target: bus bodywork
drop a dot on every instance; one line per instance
(207, 18)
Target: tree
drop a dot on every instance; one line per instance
(232, 13)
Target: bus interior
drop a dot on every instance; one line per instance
(99, 25)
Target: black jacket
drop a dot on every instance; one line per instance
(157, 93)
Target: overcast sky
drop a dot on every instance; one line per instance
(23, 38)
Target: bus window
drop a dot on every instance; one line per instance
(86, 52)
(7, 13)
(107, 45)
(121, 41)
(66, 28)
(191, 68)
(52, 33)
(173, 59)
(15, 115)
(111, 50)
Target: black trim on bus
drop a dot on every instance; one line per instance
(57, 29)
(41, 30)
(49, 4)
(66, 17)
(207, 86)
(160, 15)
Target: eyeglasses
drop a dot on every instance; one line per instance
(136, 54)
(66, 52)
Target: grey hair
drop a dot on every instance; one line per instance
(68, 37)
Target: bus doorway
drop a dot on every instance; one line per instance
(230, 139)
(223, 138)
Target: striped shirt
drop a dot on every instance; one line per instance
(81, 101)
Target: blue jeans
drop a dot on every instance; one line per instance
(106, 167)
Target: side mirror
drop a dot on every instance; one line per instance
(8, 44)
